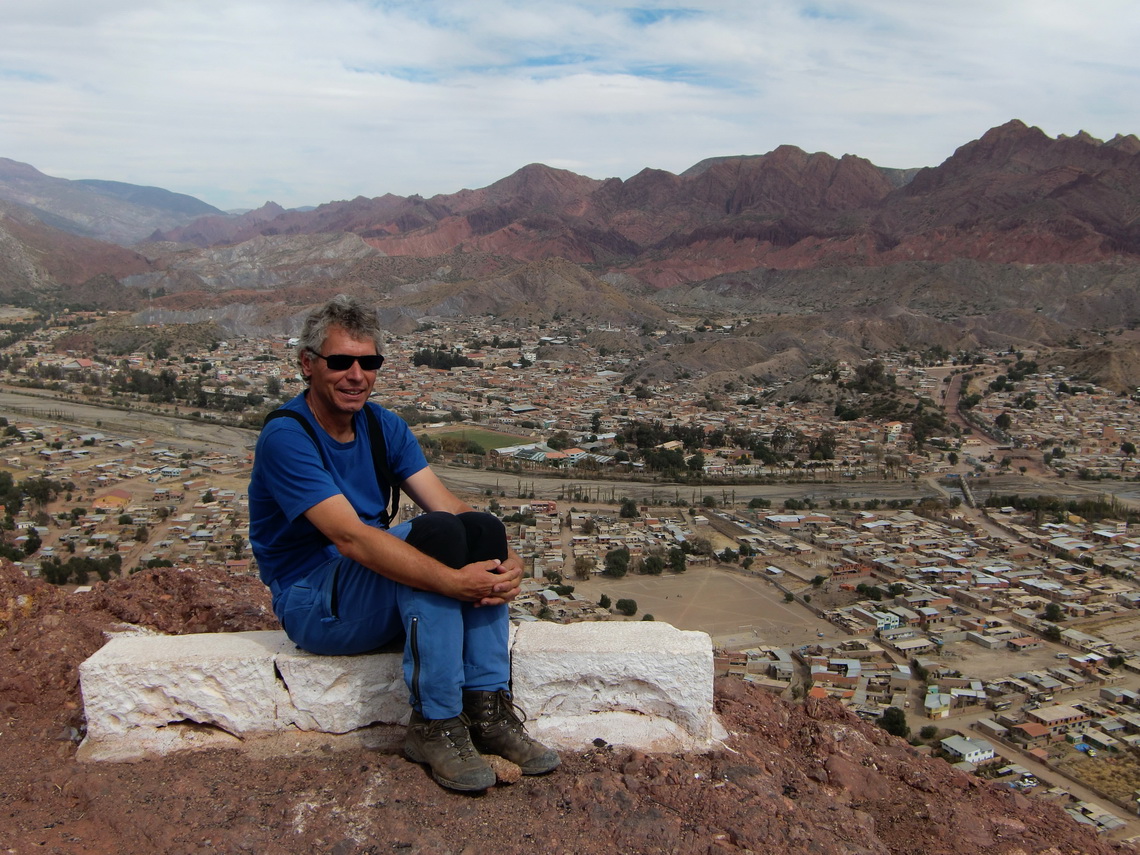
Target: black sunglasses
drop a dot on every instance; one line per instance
(343, 361)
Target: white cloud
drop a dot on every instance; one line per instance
(237, 101)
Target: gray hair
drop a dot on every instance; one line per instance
(343, 311)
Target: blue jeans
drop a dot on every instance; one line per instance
(343, 608)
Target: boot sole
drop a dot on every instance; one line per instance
(542, 770)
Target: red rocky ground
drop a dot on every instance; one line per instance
(792, 778)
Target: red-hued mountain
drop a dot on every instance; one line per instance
(1030, 198)
(35, 257)
(1013, 196)
(1016, 239)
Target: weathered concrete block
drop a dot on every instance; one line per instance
(146, 681)
(644, 684)
(337, 694)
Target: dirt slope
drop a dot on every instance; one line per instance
(792, 778)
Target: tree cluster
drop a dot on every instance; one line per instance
(438, 357)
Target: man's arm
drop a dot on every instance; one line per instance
(391, 557)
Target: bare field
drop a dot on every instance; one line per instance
(1123, 630)
(1117, 776)
(975, 660)
(730, 607)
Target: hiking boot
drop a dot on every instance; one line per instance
(445, 745)
(497, 728)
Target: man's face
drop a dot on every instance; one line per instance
(339, 391)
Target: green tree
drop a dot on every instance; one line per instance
(616, 563)
(584, 566)
(1054, 613)
(39, 491)
(559, 441)
(628, 509)
(33, 541)
(893, 721)
(604, 601)
(626, 607)
(699, 545)
(677, 560)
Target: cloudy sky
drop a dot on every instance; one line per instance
(307, 101)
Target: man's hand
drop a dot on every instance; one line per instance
(488, 583)
(505, 578)
(485, 583)
(508, 583)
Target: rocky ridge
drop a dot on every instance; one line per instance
(104, 210)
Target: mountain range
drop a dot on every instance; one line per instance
(1017, 239)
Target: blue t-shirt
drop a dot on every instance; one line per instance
(290, 475)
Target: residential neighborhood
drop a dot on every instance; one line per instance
(1006, 621)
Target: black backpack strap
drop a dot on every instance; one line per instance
(380, 461)
(379, 454)
(297, 417)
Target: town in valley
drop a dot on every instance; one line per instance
(962, 569)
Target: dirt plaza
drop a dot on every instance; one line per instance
(729, 605)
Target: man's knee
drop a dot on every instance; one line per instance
(483, 525)
(486, 535)
(440, 535)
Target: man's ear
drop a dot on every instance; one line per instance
(306, 365)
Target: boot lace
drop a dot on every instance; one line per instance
(454, 731)
(503, 712)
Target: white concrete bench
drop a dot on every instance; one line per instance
(640, 684)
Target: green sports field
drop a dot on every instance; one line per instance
(488, 439)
